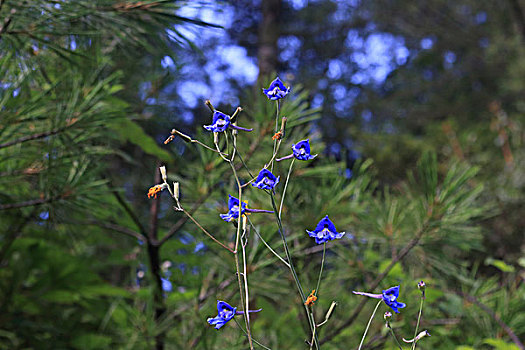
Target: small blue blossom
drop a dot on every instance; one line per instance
(225, 313)
(276, 90)
(166, 285)
(301, 150)
(389, 296)
(325, 231)
(266, 180)
(233, 209)
(219, 123)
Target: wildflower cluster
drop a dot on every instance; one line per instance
(225, 126)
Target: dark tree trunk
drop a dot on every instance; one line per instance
(154, 264)
(268, 35)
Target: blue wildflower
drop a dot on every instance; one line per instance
(166, 285)
(225, 313)
(220, 122)
(233, 210)
(301, 151)
(389, 296)
(325, 231)
(266, 180)
(276, 90)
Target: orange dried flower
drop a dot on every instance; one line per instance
(277, 135)
(169, 139)
(153, 191)
(311, 299)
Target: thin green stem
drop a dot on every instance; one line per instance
(369, 322)
(418, 319)
(276, 128)
(244, 303)
(292, 268)
(321, 270)
(245, 275)
(216, 143)
(255, 341)
(394, 336)
(314, 332)
(286, 186)
(317, 291)
(266, 244)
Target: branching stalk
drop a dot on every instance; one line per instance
(418, 319)
(369, 322)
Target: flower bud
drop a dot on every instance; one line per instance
(387, 316)
(421, 285)
(176, 190)
(163, 173)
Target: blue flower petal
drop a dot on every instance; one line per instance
(301, 150)
(266, 180)
(390, 296)
(225, 313)
(220, 122)
(325, 231)
(233, 209)
(276, 90)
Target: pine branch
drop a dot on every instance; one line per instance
(29, 203)
(130, 212)
(31, 137)
(118, 228)
(494, 316)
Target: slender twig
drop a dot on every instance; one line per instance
(266, 244)
(321, 270)
(245, 273)
(128, 210)
(206, 232)
(276, 129)
(292, 269)
(7, 22)
(191, 140)
(254, 146)
(246, 334)
(244, 303)
(286, 186)
(418, 319)
(29, 203)
(368, 325)
(216, 143)
(31, 137)
(394, 336)
(118, 228)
